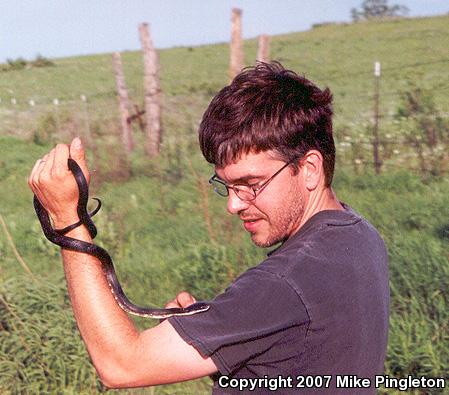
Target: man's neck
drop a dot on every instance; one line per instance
(324, 200)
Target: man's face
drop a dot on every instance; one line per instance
(277, 211)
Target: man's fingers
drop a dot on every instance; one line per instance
(60, 160)
(172, 305)
(47, 165)
(37, 170)
(31, 178)
(184, 299)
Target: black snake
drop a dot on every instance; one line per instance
(57, 236)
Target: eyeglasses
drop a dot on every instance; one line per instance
(244, 192)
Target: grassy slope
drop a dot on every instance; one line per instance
(340, 56)
(147, 220)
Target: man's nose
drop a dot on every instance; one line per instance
(235, 205)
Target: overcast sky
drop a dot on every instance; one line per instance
(60, 28)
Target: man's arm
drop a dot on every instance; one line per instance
(122, 356)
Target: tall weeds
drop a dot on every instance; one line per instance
(190, 244)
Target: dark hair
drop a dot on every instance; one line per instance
(267, 107)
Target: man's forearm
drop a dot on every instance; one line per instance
(122, 356)
(104, 326)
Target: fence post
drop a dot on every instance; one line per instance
(377, 161)
(57, 117)
(236, 61)
(86, 118)
(152, 95)
(16, 113)
(127, 134)
(32, 104)
(263, 48)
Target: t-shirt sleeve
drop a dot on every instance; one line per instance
(244, 321)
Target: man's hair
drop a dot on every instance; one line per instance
(267, 107)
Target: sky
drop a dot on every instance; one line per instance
(61, 28)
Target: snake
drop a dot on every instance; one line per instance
(58, 237)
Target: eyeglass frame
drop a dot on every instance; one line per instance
(256, 190)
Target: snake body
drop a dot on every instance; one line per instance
(58, 237)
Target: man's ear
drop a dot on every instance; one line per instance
(313, 171)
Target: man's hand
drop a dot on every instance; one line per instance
(54, 185)
(182, 300)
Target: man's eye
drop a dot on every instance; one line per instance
(254, 186)
(242, 187)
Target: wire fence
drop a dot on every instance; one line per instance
(41, 117)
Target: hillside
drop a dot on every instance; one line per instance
(166, 232)
(340, 56)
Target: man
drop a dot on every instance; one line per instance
(317, 306)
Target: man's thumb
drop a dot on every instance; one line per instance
(78, 155)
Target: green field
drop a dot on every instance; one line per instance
(151, 206)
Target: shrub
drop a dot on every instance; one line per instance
(18, 64)
(41, 61)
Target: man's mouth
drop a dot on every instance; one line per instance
(250, 224)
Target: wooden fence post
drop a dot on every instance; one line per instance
(86, 119)
(152, 95)
(263, 48)
(377, 161)
(236, 61)
(57, 117)
(127, 134)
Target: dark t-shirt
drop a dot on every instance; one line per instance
(318, 305)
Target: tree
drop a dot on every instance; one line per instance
(378, 9)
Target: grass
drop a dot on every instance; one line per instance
(151, 207)
(157, 255)
(340, 56)
(413, 52)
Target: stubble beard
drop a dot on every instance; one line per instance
(282, 222)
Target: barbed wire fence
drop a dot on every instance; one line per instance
(39, 116)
